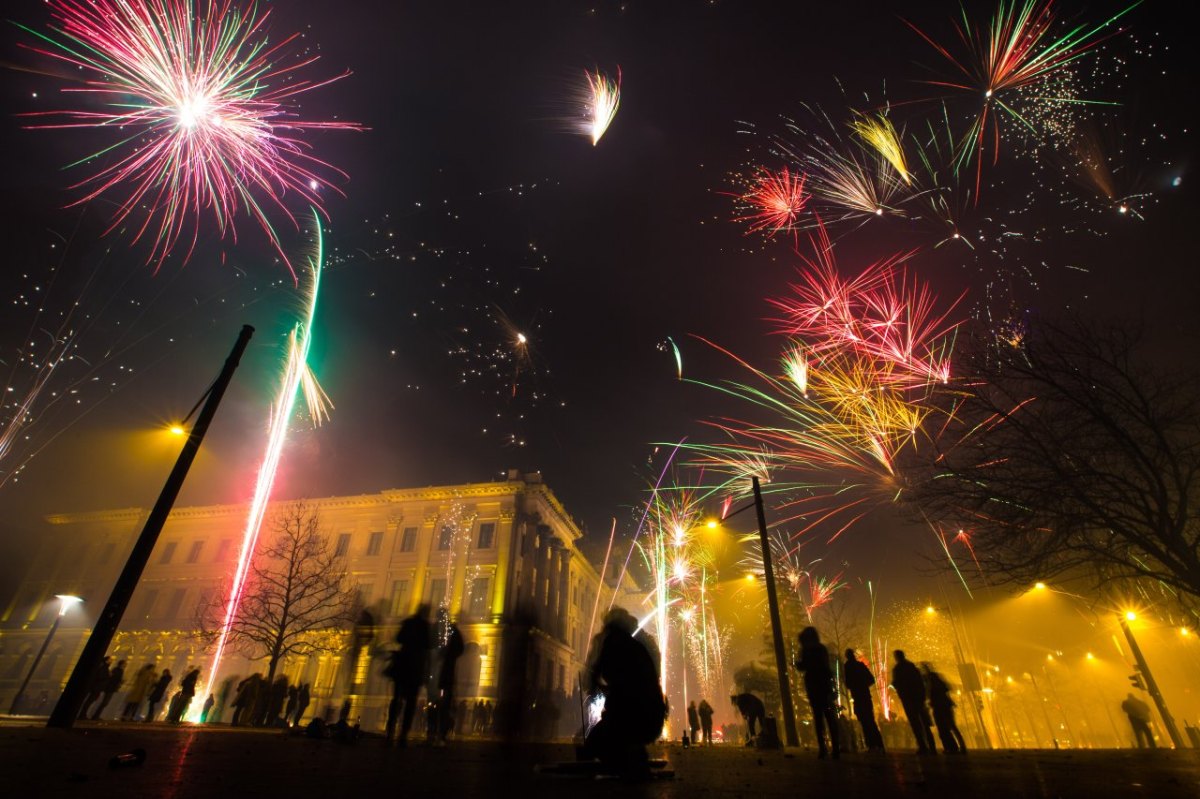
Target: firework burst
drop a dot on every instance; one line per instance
(773, 203)
(202, 117)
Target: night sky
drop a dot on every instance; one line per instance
(471, 214)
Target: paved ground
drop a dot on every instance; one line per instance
(216, 763)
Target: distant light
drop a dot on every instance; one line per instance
(1008, 679)
(176, 430)
(749, 578)
(929, 609)
(712, 524)
(1090, 656)
(1049, 657)
(1123, 209)
(521, 338)
(1040, 586)
(878, 212)
(1130, 615)
(1185, 632)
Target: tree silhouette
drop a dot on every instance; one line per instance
(296, 601)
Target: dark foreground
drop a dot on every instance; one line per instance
(223, 764)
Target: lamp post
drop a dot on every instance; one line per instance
(1151, 685)
(65, 602)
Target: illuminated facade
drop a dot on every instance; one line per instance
(489, 553)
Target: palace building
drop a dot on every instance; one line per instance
(501, 558)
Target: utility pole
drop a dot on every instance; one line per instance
(785, 691)
(106, 624)
(1151, 685)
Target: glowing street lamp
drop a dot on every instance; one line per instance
(176, 430)
(65, 603)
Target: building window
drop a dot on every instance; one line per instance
(400, 598)
(148, 603)
(481, 589)
(445, 537)
(168, 553)
(374, 543)
(172, 611)
(408, 541)
(223, 550)
(194, 552)
(437, 593)
(343, 545)
(487, 534)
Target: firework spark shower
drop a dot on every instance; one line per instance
(200, 108)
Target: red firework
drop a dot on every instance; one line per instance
(774, 201)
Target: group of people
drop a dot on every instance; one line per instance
(259, 703)
(408, 669)
(920, 691)
(700, 721)
(148, 686)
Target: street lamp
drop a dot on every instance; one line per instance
(65, 601)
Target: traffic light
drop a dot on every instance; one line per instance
(1138, 682)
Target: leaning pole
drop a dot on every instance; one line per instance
(69, 703)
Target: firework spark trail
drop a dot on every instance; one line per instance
(205, 120)
(878, 133)
(1016, 52)
(600, 104)
(296, 373)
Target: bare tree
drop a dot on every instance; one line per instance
(1078, 460)
(841, 623)
(296, 600)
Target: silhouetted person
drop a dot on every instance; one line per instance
(818, 684)
(623, 670)
(303, 696)
(207, 708)
(752, 710)
(245, 699)
(187, 690)
(1139, 718)
(408, 669)
(278, 696)
(910, 686)
(858, 679)
(142, 682)
(462, 715)
(111, 686)
(943, 712)
(451, 652)
(223, 693)
(705, 712)
(693, 717)
(289, 710)
(157, 693)
(96, 683)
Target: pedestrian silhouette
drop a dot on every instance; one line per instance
(818, 684)
(858, 680)
(157, 693)
(181, 700)
(207, 708)
(245, 699)
(693, 717)
(1139, 718)
(96, 683)
(142, 682)
(943, 712)
(910, 686)
(623, 670)
(111, 686)
(451, 652)
(408, 668)
(752, 710)
(289, 710)
(278, 696)
(705, 712)
(303, 696)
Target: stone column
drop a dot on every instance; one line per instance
(564, 594)
(553, 595)
(506, 543)
(425, 539)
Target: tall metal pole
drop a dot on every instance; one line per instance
(1151, 685)
(785, 691)
(69, 703)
